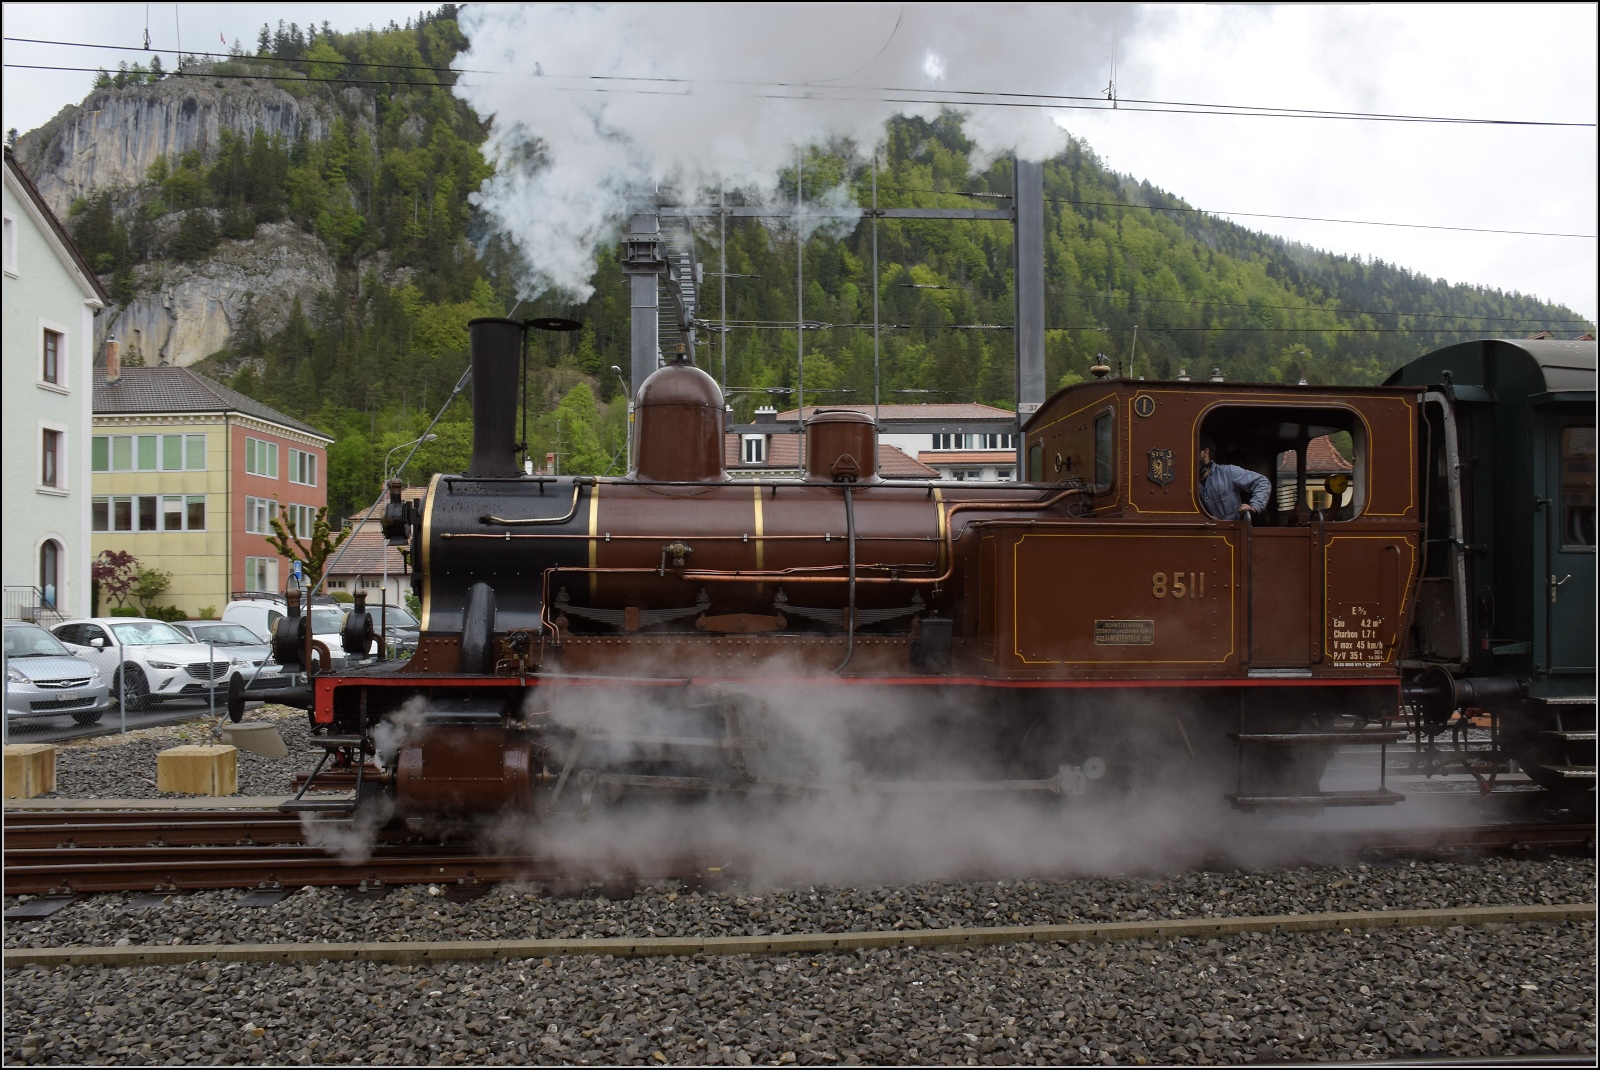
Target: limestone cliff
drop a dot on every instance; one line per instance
(187, 311)
(111, 139)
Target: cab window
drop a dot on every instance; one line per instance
(1104, 468)
(1314, 457)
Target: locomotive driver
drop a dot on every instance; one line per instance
(1224, 488)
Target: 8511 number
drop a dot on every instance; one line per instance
(1183, 585)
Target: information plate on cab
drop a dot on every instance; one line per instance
(1124, 632)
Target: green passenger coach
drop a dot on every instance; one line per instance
(1505, 617)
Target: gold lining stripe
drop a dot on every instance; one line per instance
(427, 552)
(761, 531)
(938, 505)
(594, 542)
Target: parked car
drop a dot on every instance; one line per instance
(44, 679)
(262, 614)
(251, 653)
(157, 661)
(401, 631)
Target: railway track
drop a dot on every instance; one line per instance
(82, 852)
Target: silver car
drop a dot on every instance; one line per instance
(251, 654)
(43, 679)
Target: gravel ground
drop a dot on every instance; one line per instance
(1455, 992)
(124, 766)
(1255, 997)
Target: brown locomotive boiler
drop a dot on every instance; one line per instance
(678, 632)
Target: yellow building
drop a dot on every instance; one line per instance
(187, 475)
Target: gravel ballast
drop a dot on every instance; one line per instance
(1255, 997)
(1485, 992)
(524, 912)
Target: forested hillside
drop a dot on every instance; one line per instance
(389, 194)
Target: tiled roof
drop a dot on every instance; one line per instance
(1321, 458)
(170, 389)
(896, 463)
(961, 410)
(364, 553)
(375, 511)
(783, 452)
(968, 457)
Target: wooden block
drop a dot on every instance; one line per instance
(30, 770)
(202, 770)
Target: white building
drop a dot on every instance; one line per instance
(963, 441)
(50, 297)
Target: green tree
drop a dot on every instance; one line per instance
(315, 554)
(150, 584)
(576, 435)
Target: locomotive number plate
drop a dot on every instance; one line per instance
(1124, 633)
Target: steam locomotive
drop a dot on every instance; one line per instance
(1086, 629)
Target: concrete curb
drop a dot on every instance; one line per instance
(795, 943)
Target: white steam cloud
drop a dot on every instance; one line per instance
(593, 103)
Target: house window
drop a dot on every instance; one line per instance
(301, 519)
(50, 459)
(261, 573)
(8, 245)
(369, 582)
(1005, 475)
(183, 452)
(149, 512)
(148, 453)
(755, 449)
(302, 468)
(51, 370)
(49, 571)
(261, 458)
(258, 514)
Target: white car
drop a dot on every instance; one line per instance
(261, 615)
(154, 658)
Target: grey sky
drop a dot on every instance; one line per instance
(1480, 61)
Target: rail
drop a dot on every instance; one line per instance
(122, 851)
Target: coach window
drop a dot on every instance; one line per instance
(1577, 488)
(1104, 438)
(1315, 458)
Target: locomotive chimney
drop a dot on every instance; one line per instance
(496, 349)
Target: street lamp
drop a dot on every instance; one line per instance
(629, 395)
(391, 453)
(403, 445)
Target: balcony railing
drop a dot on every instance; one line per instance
(28, 603)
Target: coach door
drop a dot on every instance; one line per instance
(1568, 580)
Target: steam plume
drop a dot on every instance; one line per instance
(591, 104)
